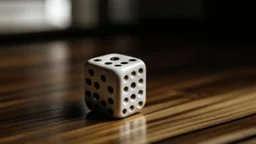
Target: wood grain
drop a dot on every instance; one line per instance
(41, 97)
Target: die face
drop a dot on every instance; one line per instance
(101, 89)
(133, 89)
(115, 62)
(126, 75)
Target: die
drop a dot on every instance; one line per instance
(115, 84)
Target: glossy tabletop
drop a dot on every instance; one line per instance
(42, 95)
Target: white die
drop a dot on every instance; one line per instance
(115, 84)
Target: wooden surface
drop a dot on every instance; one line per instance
(41, 95)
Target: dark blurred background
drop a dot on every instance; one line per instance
(214, 31)
(68, 17)
(208, 19)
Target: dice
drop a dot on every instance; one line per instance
(115, 85)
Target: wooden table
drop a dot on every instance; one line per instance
(189, 99)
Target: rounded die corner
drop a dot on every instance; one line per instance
(119, 116)
(88, 63)
(117, 73)
(142, 63)
(111, 54)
